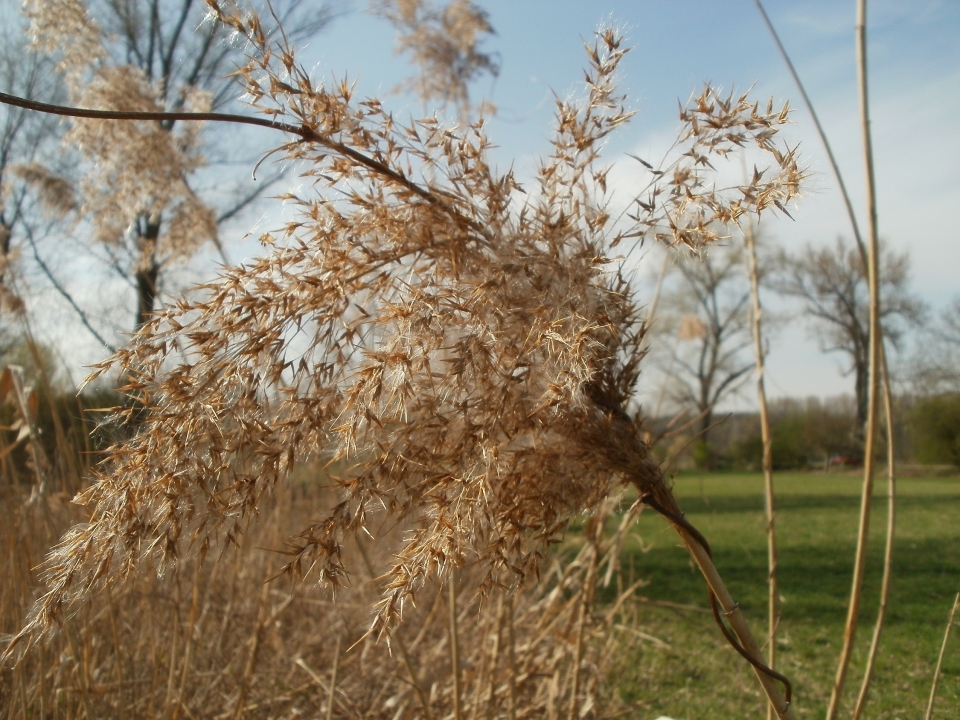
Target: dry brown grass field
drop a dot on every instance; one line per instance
(227, 639)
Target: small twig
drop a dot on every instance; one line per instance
(662, 644)
(62, 291)
(329, 689)
(943, 649)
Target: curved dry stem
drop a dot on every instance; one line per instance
(888, 547)
(853, 612)
(943, 649)
(653, 492)
(731, 610)
(305, 133)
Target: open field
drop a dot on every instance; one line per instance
(698, 676)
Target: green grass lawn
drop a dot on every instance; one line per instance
(699, 676)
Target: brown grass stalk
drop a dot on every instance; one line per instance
(333, 680)
(870, 432)
(888, 544)
(773, 602)
(401, 645)
(731, 611)
(169, 705)
(454, 646)
(594, 533)
(256, 638)
(939, 668)
(887, 392)
(511, 659)
(191, 633)
(80, 670)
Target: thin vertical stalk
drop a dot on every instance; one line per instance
(939, 668)
(401, 645)
(80, 670)
(512, 658)
(495, 657)
(816, 121)
(255, 640)
(856, 591)
(189, 642)
(773, 609)
(454, 647)
(586, 601)
(888, 547)
(168, 704)
(887, 394)
(22, 688)
(333, 679)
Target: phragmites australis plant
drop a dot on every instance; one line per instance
(462, 350)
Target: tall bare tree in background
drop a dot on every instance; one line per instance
(23, 138)
(936, 367)
(713, 331)
(138, 184)
(832, 284)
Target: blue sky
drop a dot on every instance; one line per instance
(914, 55)
(915, 95)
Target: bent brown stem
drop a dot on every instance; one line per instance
(742, 638)
(850, 629)
(305, 133)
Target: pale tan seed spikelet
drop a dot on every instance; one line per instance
(140, 165)
(444, 43)
(65, 27)
(683, 205)
(56, 192)
(461, 351)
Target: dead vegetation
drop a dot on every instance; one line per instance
(460, 351)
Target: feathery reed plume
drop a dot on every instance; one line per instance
(444, 43)
(462, 349)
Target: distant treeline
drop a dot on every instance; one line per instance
(815, 433)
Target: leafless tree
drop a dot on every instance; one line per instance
(936, 367)
(24, 138)
(712, 331)
(831, 282)
(139, 183)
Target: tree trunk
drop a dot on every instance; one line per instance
(147, 273)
